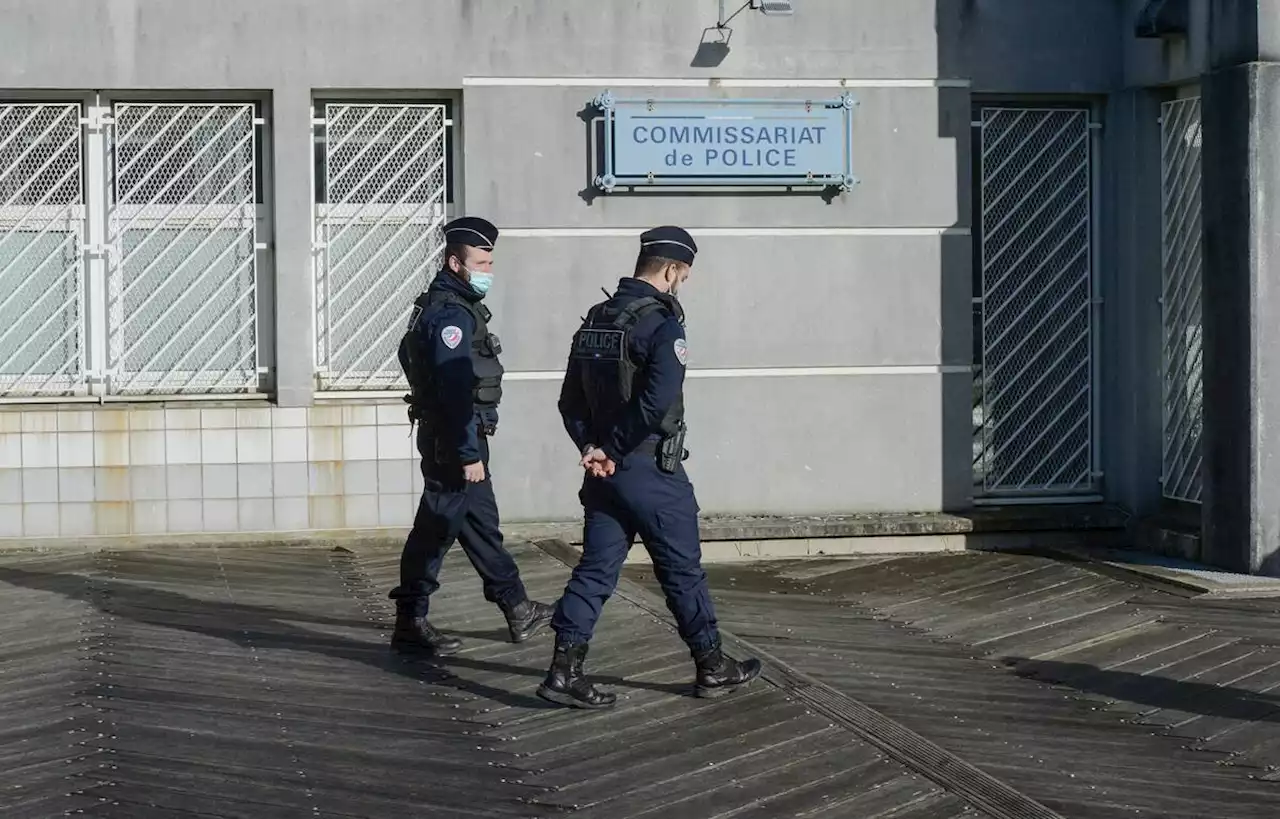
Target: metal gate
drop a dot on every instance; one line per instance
(382, 186)
(1180, 298)
(41, 250)
(182, 284)
(1034, 413)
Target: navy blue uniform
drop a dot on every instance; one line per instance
(453, 432)
(639, 498)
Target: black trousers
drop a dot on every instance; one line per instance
(453, 510)
(639, 500)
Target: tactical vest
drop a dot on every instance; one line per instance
(610, 375)
(486, 393)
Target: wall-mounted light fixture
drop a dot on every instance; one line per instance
(773, 7)
(714, 46)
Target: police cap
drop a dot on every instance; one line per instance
(471, 231)
(670, 242)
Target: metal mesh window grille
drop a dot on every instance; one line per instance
(378, 228)
(41, 250)
(1180, 299)
(1034, 399)
(182, 286)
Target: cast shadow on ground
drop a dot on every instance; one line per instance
(258, 627)
(1159, 693)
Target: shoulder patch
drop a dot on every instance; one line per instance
(682, 351)
(451, 336)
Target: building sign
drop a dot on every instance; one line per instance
(800, 143)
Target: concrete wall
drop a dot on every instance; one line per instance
(1241, 516)
(836, 332)
(1155, 71)
(1172, 61)
(306, 44)
(1020, 47)
(1131, 384)
(830, 339)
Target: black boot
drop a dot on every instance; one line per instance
(719, 675)
(565, 683)
(525, 619)
(414, 635)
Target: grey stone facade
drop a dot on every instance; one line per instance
(831, 339)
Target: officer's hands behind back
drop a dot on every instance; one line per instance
(597, 463)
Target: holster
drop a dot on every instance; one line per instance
(488, 421)
(671, 451)
(417, 413)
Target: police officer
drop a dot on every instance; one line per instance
(455, 379)
(622, 404)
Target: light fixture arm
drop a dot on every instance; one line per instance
(723, 22)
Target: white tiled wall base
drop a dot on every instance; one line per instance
(147, 470)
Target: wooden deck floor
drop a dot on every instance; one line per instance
(246, 682)
(256, 683)
(1092, 695)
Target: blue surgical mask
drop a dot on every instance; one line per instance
(480, 282)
